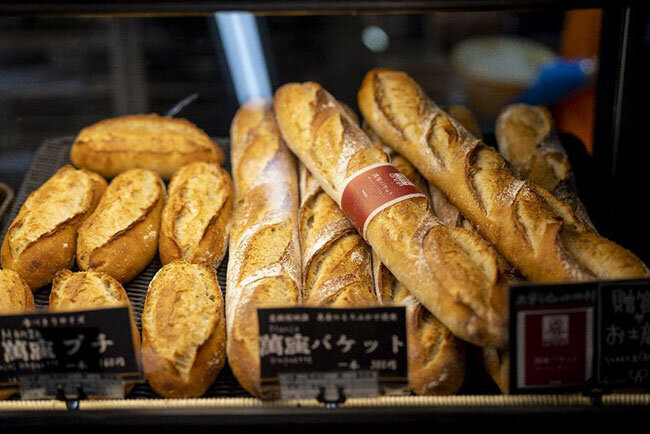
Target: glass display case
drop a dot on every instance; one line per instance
(66, 65)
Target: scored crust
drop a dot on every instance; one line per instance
(121, 236)
(264, 258)
(196, 218)
(183, 330)
(42, 238)
(145, 141)
(15, 294)
(85, 290)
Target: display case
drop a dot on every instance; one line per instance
(68, 65)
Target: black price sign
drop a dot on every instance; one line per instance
(94, 341)
(551, 337)
(593, 335)
(624, 334)
(332, 354)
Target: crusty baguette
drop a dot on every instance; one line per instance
(196, 218)
(527, 140)
(121, 236)
(436, 358)
(497, 363)
(451, 271)
(466, 118)
(183, 330)
(42, 238)
(264, 259)
(532, 230)
(15, 298)
(336, 262)
(113, 146)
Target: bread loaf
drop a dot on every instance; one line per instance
(264, 258)
(336, 262)
(497, 363)
(451, 271)
(527, 140)
(121, 236)
(196, 218)
(161, 144)
(183, 330)
(542, 240)
(15, 298)
(42, 238)
(466, 118)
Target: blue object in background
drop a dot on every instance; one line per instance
(559, 79)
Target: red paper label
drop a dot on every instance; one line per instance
(372, 189)
(555, 347)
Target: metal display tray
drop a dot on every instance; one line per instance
(226, 402)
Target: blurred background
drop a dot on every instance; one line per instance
(58, 75)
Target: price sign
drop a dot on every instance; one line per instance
(39, 345)
(624, 334)
(332, 354)
(551, 337)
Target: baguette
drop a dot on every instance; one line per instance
(196, 218)
(161, 144)
(264, 259)
(41, 240)
(451, 271)
(15, 298)
(183, 330)
(466, 118)
(527, 140)
(336, 262)
(534, 231)
(121, 237)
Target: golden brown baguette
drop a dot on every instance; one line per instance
(527, 140)
(264, 259)
(15, 298)
(436, 358)
(497, 363)
(466, 118)
(121, 236)
(196, 218)
(451, 271)
(161, 144)
(533, 230)
(336, 262)
(183, 330)
(42, 238)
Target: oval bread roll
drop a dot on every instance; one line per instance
(196, 218)
(161, 144)
(42, 238)
(183, 330)
(15, 298)
(87, 290)
(15, 294)
(121, 237)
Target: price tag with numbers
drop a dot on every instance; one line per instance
(38, 347)
(332, 354)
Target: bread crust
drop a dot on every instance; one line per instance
(196, 218)
(336, 262)
(145, 141)
(527, 140)
(527, 228)
(121, 237)
(42, 238)
(183, 315)
(15, 295)
(452, 271)
(264, 258)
